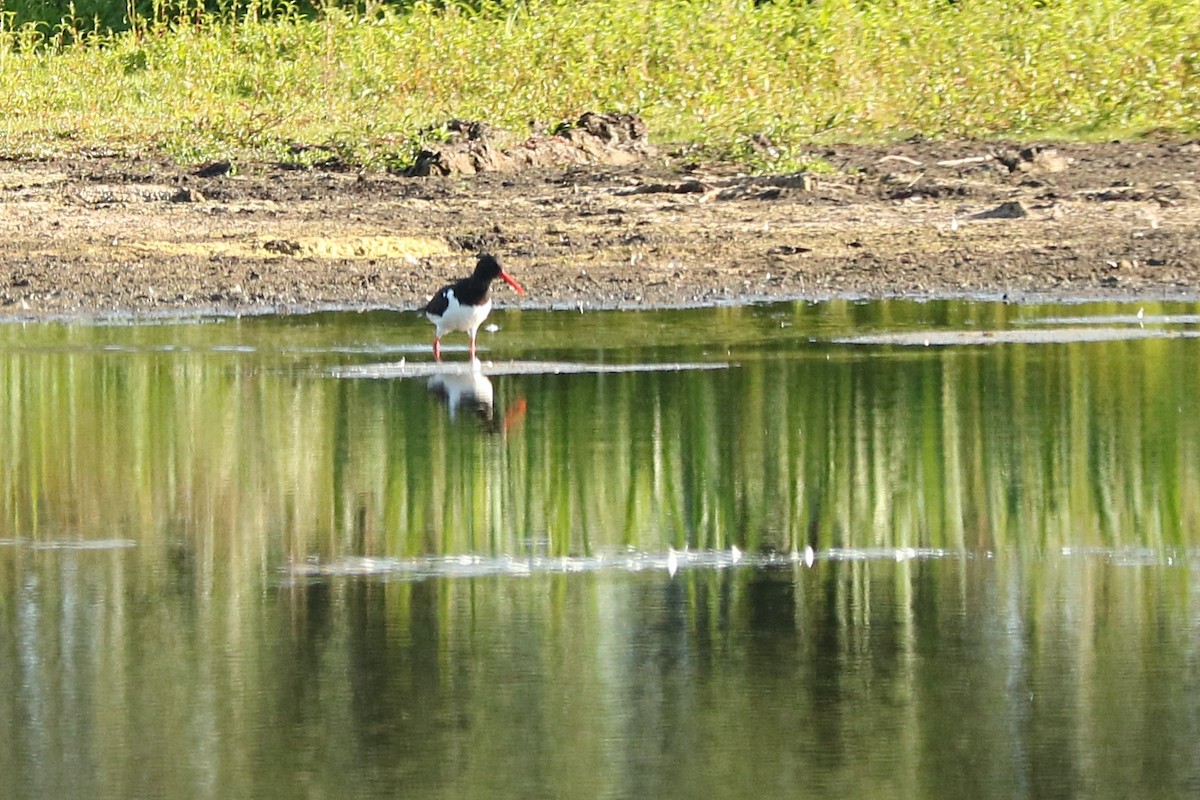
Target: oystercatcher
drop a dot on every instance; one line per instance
(465, 304)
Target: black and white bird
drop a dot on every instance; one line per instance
(465, 304)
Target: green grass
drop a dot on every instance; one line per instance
(705, 74)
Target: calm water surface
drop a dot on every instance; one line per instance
(891, 550)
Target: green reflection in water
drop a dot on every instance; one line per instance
(232, 441)
(989, 678)
(201, 461)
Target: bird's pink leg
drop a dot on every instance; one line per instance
(437, 349)
(473, 344)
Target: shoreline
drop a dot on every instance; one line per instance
(1117, 222)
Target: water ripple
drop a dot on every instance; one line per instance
(69, 544)
(670, 561)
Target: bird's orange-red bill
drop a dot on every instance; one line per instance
(509, 280)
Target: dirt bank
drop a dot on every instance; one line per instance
(101, 235)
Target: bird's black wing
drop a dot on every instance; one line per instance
(438, 304)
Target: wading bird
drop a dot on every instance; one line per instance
(465, 304)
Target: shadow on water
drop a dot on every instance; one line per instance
(844, 565)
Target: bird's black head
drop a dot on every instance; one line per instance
(488, 267)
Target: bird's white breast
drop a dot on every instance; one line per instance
(459, 317)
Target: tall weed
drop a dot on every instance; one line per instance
(256, 78)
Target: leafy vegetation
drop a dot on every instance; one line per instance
(755, 82)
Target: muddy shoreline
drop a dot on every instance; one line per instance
(1016, 221)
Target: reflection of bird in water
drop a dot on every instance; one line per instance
(465, 304)
(472, 390)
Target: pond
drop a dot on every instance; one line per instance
(837, 549)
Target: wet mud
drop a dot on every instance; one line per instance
(1023, 220)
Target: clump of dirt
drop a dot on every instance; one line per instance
(1016, 220)
(472, 147)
